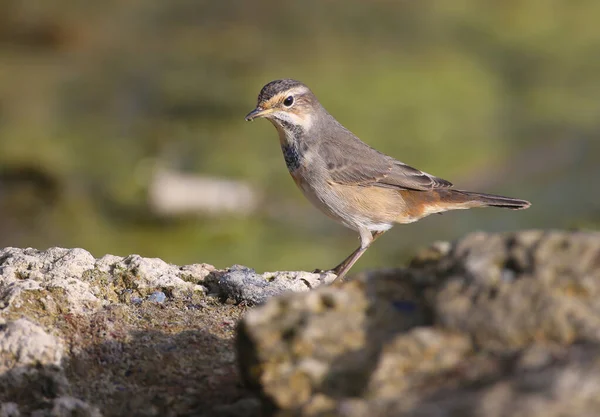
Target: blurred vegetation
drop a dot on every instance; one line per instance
(499, 97)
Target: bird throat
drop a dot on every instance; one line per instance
(292, 145)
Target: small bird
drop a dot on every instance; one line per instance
(354, 184)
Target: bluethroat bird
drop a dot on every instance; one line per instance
(354, 184)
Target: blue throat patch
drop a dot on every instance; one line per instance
(292, 156)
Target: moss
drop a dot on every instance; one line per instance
(190, 278)
(42, 306)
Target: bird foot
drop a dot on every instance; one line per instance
(336, 281)
(325, 271)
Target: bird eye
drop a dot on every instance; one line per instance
(288, 101)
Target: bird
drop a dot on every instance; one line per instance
(348, 180)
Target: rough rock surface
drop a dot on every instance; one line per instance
(243, 284)
(492, 325)
(125, 336)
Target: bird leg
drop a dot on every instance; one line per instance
(366, 239)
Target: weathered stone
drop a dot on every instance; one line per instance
(30, 362)
(9, 410)
(507, 291)
(68, 407)
(492, 325)
(56, 272)
(246, 407)
(120, 336)
(242, 284)
(23, 343)
(43, 284)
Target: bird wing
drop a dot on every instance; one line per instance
(353, 162)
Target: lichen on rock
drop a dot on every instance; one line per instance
(112, 336)
(491, 325)
(488, 326)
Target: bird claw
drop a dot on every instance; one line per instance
(326, 271)
(323, 271)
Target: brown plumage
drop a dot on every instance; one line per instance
(348, 180)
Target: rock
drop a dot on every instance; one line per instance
(124, 335)
(491, 325)
(246, 407)
(113, 336)
(23, 343)
(242, 284)
(508, 291)
(68, 407)
(568, 384)
(157, 297)
(9, 410)
(45, 284)
(144, 275)
(56, 271)
(196, 272)
(30, 360)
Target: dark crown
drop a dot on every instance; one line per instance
(275, 87)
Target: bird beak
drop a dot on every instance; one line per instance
(257, 112)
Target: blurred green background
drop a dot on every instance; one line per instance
(98, 100)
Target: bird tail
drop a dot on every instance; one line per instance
(490, 200)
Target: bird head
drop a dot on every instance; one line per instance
(287, 104)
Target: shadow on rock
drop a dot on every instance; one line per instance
(394, 306)
(327, 346)
(491, 325)
(157, 373)
(111, 371)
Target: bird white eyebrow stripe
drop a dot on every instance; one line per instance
(300, 89)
